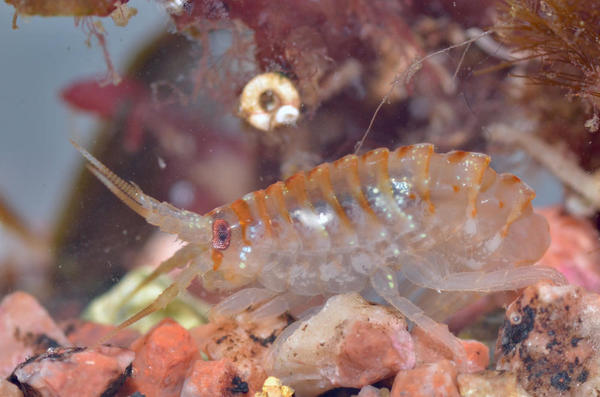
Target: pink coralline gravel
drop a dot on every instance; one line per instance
(214, 378)
(74, 372)
(428, 380)
(490, 384)
(575, 248)
(26, 329)
(8, 389)
(242, 342)
(429, 351)
(549, 340)
(371, 391)
(368, 353)
(162, 358)
(348, 343)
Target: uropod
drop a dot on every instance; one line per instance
(423, 230)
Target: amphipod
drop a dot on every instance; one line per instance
(420, 229)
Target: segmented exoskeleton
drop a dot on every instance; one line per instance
(411, 225)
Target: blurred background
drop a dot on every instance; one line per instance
(38, 165)
(179, 125)
(39, 59)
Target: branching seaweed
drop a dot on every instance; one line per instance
(564, 35)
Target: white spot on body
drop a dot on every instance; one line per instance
(470, 227)
(492, 244)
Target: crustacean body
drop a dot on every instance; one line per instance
(412, 225)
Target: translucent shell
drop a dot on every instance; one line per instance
(428, 216)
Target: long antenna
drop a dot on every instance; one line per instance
(408, 74)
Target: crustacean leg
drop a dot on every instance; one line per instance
(275, 307)
(488, 281)
(240, 301)
(180, 259)
(182, 281)
(385, 283)
(260, 303)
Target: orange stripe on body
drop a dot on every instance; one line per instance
(403, 150)
(520, 206)
(426, 195)
(276, 191)
(349, 164)
(320, 175)
(456, 156)
(381, 159)
(295, 185)
(474, 193)
(242, 210)
(217, 258)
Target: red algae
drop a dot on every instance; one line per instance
(305, 40)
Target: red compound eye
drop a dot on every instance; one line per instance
(221, 234)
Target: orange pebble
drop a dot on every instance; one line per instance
(429, 350)
(213, 378)
(429, 380)
(163, 357)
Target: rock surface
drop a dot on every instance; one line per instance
(87, 333)
(74, 372)
(575, 248)
(371, 391)
(8, 389)
(430, 351)
(549, 341)
(274, 388)
(243, 342)
(348, 343)
(437, 379)
(490, 384)
(162, 359)
(214, 378)
(26, 330)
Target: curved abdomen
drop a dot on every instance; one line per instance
(326, 230)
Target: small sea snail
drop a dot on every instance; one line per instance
(270, 100)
